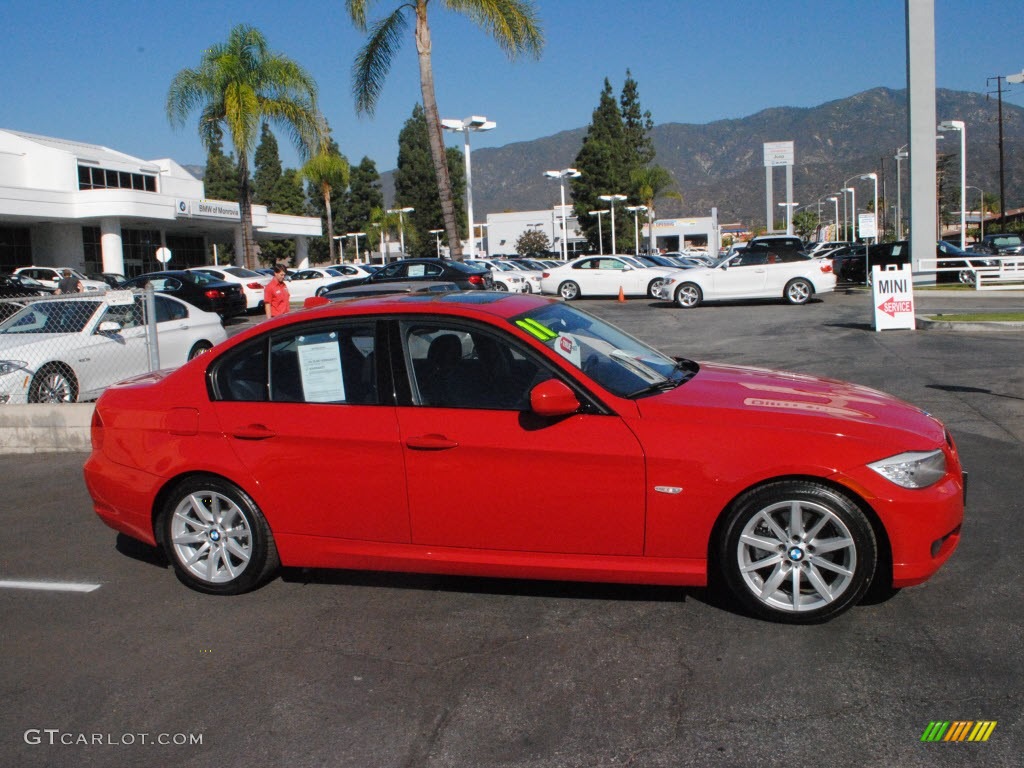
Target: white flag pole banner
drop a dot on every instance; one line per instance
(892, 295)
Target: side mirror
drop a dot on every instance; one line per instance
(553, 398)
(109, 326)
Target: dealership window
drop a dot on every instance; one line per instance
(15, 248)
(93, 250)
(90, 177)
(186, 251)
(139, 249)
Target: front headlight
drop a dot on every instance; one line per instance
(10, 366)
(914, 469)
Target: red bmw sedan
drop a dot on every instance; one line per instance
(794, 493)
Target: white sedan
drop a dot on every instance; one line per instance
(252, 283)
(603, 276)
(749, 274)
(504, 276)
(70, 348)
(309, 282)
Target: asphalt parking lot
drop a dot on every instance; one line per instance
(380, 670)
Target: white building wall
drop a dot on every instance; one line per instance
(58, 245)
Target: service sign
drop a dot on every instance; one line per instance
(892, 295)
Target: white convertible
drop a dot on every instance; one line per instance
(70, 348)
(751, 274)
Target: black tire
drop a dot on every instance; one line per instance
(798, 291)
(762, 545)
(500, 287)
(53, 383)
(216, 537)
(569, 290)
(689, 295)
(199, 348)
(655, 283)
(966, 276)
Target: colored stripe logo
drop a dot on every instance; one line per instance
(959, 730)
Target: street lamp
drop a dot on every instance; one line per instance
(401, 224)
(356, 235)
(851, 221)
(437, 235)
(981, 210)
(380, 228)
(341, 247)
(474, 123)
(611, 200)
(901, 154)
(636, 210)
(958, 125)
(789, 215)
(835, 200)
(482, 228)
(874, 213)
(562, 175)
(600, 235)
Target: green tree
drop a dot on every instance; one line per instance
(512, 23)
(266, 167)
(288, 197)
(220, 180)
(533, 243)
(602, 165)
(636, 125)
(383, 226)
(363, 195)
(416, 185)
(650, 183)
(328, 172)
(805, 223)
(237, 85)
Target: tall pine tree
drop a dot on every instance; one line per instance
(220, 180)
(364, 194)
(416, 186)
(636, 125)
(266, 168)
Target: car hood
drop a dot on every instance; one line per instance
(789, 400)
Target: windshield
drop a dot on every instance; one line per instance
(615, 360)
(50, 317)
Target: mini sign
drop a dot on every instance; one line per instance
(892, 295)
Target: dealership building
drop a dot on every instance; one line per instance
(69, 204)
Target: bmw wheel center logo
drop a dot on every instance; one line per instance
(796, 554)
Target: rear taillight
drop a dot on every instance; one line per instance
(476, 280)
(213, 293)
(826, 267)
(545, 274)
(254, 286)
(96, 432)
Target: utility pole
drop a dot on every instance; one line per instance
(1002, 186)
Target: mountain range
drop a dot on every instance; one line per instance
(721, 164)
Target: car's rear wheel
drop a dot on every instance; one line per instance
(966, 276)
(798, 291)
(653, 286)
(569, 290)
(199, 348)
(53, 383)
(689, 295)
(797, 552)
(216, 537)
(500, 287)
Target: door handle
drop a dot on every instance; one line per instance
(253, 432)
(431, 443)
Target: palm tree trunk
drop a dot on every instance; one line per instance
(437, 152)
(650, 226)
(326, 189)
(245, 211)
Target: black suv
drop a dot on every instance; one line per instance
(999, 244)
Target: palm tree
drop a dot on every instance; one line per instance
(237, 86)
(326, 169)
(388, 225)
(650, 183)
(512, 23)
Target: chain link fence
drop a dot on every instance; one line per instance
(68, 349)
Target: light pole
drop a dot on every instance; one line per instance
(356, 235)
(482, 228)
(874, 213)
(958, 125)
(901, 154)
(636, 210)
(851, 221)
(341, 247)
(600, 234)
(981, 210)
(562, 175)
(401, 224)
(611, 200)
(474, 123)
(380, 228)
(835, 200)
(437, 236)
(789, 215)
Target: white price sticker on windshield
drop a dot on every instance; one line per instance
(567, 346)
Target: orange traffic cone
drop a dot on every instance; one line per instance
(622, 296)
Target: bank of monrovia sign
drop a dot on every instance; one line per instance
(207, 209)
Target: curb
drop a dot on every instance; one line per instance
(927, 324)
(46, 428)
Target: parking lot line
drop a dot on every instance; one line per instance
(49, 586)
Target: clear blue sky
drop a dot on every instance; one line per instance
(99, 71)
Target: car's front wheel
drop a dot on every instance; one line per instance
(500, 287)
(796, 551)
(53, 383)
(966, 276)
(653, 287)
(199, 348)
(688, 296)
(216, 537)
(569, 290)
(798, 291)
